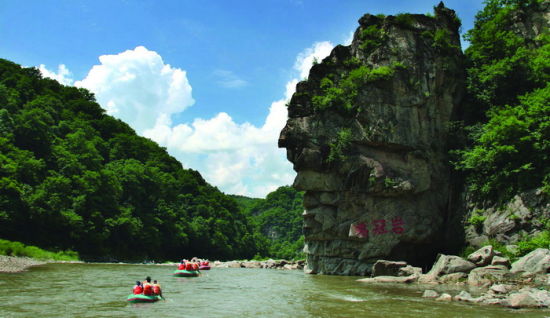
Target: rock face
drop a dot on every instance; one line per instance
(522, 216)
(367, 134)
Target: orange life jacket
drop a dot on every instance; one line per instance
(156, 289)
(147, 289)
(195, 266)
(181, 267)
(138, 290)
(189, 267)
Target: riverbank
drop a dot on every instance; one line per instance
(270, 263)
(493, 278)
(14, 264)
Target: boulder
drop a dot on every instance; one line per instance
(409, 270)
(387, 268)
(251, 264)
(501, 288)
(483, 256)
(487, 276)
(428, 293)
(536, 262)
(234, 264)
(448, 264)
(390, 279)
(464, 296)
(522, 299)
(444, 297)
(503, 261)
(453, 278)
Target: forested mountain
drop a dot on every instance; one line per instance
(508, 115)
(72, 177)
(278, 221)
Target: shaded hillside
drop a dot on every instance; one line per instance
(72, 177)
(278, 222)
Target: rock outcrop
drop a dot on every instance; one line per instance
(368, 133)
(524, 286)
(523, 216)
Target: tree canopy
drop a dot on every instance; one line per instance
(509, 115)
(75, 178)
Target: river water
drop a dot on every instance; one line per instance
(100, 290)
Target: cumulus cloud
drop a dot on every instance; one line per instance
(63, 75)
(316, 53)
(349, 38)
(239, 158)
(229, 79)
(138, 87)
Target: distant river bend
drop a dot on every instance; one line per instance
(100, 290)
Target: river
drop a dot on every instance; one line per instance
(100, 290)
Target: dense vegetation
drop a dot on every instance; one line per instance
(509, 115)
(508, 119)
(74, 178)
(19, 249)
(278, 222)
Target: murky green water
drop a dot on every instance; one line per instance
(100, 290)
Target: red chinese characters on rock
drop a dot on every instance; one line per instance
(397, 225)
(379, 227)
(359, 230)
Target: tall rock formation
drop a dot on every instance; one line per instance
(367, 134)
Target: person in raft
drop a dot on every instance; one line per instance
(138, 289)
(181, 266)
(147, 287)
(189, 266)
(157, 291)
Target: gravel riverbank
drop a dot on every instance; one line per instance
(12, 264)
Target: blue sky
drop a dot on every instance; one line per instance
(206, 79)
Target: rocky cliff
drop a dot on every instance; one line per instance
(368, 133)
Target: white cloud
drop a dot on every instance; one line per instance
(349, 38)
(229, 79)
(238, 158)
(63, 75)
(306, 58)
(137, 87)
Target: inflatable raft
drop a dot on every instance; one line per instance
(204, 267)
(143, 299)
(185, 273)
